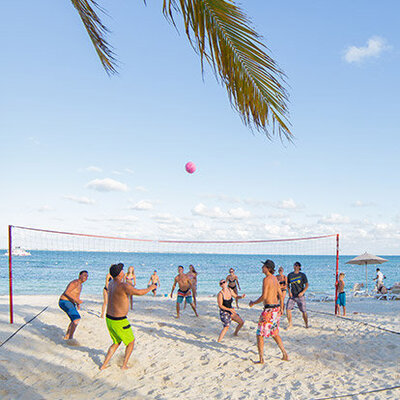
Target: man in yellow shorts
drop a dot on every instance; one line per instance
(117, 309)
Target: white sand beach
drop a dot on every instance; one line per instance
(181, 358)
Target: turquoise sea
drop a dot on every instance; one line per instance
(48, 272)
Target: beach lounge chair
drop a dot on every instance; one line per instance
(358, 290)
(392, 294)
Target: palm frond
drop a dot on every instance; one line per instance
(97, 32)
(221, 34)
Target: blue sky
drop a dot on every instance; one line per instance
(87, 153)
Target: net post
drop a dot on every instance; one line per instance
(10, 272)
(337, 274)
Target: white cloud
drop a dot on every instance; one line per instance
(203, 211)
(129, 171)
(239, 213)
(141, 189)
(333, 219)
(360, 203)
(92, 168)
(375, 46)
(217, 213)
(107, 185)
(142, 205)
(117, 172)
(124, 219)
(288, 204)
(80, 200)
(166, 218)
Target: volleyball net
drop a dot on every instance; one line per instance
(55, 254)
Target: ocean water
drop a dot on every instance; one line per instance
(48, 272)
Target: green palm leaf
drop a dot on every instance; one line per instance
(97, 32)
(221, 34)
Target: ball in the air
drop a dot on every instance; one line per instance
(190, 167)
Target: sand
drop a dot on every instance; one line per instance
(181, 358)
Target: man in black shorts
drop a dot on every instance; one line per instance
(298, 284)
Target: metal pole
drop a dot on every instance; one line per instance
(337, 274)
(10, 272)
(366, 277)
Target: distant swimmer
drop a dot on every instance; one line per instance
(298, 284)
(118, 306)
(268, 324)
(184, 291)
(105, 294)
(192, 274)
(226, 312)
(233, 283)
(70, 303)
(282, 279)
(130, 278)
(154, 280)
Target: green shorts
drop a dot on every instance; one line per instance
(120, 330)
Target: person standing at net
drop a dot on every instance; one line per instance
(154, 280)
(184, 291)
(70, 303)
(192, 275)
(283, 282)
(130, 278)
(268, 324)
(298, 284)
(118, 326)
(233, 284)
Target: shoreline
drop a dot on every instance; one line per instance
(181, 357)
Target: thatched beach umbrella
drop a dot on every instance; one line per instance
(366, 259)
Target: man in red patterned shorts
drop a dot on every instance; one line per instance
(268, 324)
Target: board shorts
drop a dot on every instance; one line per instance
(119, 329)
(268, 324)
(300, 301)
(341, 300)
(184, 295)
(226, 317)
(70, 309)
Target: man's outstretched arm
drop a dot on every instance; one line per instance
(138, 292)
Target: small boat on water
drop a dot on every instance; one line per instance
(19, 251)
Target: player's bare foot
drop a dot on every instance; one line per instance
(104, 366)
(285, 357)
(259, 362)
(125, 367)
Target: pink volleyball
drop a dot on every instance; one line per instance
(190, 167)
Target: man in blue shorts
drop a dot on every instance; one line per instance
(70, 302)
(298, 284)
(184, 291)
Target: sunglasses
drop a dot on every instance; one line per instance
(222, 282)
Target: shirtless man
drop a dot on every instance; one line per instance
(184, 291)
(117, 309)
(70, 303)
(154, 280)
(268, 324)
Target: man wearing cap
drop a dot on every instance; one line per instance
(117, 309)
(268, 324)
(298, 284)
